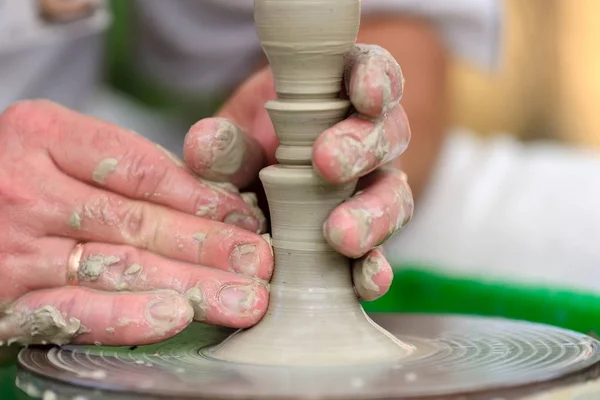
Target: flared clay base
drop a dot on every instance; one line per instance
(328, 338)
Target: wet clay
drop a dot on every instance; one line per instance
(91, 267)
(104, 169)
(314, 317)
(45, 325)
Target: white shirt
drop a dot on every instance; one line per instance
(191, 45)
(213, 43)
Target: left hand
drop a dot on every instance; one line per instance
(370, 141)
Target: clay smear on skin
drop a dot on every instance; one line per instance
(104, 169)
(364, 272)
(200, 238)
(198, 302)
(41, 326)
(75, 221)
(375, 143)
(231, 192)
(93, 266)
(228, 149)
(374, 60)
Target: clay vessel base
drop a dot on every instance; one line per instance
(454, 357)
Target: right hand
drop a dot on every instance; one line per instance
(144, 231)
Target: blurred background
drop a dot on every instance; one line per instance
(548, 83)
(545, 86)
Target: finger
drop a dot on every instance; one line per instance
(371, 216)
(372, 275)
(89, 214)
(374, 80)
(219, 150)
(357, 146)
(120, 161)
(218, 297)
(84, 316)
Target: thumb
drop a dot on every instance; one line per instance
(235, 144)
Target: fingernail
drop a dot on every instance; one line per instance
(243, 221)
(244, 259)
(239, 299)
(169, 309)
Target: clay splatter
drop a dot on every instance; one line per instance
(43, 325)
(75, 221)
(104, 169)
(364, 222)
(199, 237)
(93, 266)
(133, 269)
(207, 210)
(363, 273)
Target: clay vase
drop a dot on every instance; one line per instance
(314, 317)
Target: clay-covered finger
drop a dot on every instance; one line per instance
(372, 215)
(84, 316)
(120, 161)
(372, 275)
(219, 150)
(374, 80)
(89, 214)
(357, 146)
(219, 297)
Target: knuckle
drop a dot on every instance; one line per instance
(145, 177)
(25, 113)
(206, 202)
(13, 194)
(133, 223)
(129, 217)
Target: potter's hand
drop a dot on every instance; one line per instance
(241, 140)
(108, 238)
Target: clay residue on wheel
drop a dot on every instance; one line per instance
(40, 326)
(28, 388)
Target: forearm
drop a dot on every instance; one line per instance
(424, 63)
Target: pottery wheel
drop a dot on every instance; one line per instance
(455, 356)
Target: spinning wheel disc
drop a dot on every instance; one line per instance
(455, 356)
